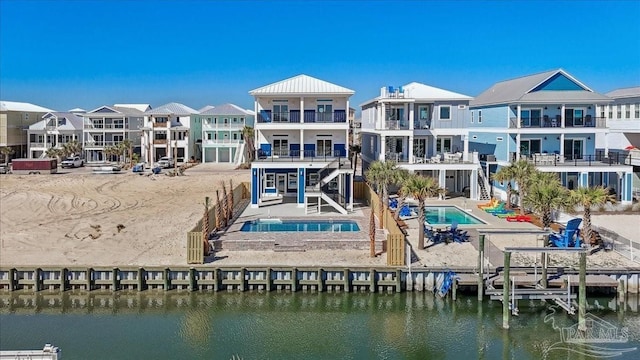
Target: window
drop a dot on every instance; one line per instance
(312, 179)
(235, 136)
(472, 116)
(530, 117)
(208, 136)
(443, 145)
(292, 181)
(280, 113)
(423, 112)
(479, 116)
(610, 112)
(445, 112)
(118, 123)
(619, 112)
(281, 147)
(270, 181)
(323, 147)
(162, 119)
(529, 147)
(602, 111)
(325, 112)
(637, 111)
(627, 111)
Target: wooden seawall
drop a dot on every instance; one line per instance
(329, 279)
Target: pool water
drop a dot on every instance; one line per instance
(446, 215)
(276, 225)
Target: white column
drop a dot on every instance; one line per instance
(435, 144)
(383, 114)
(301, 143)
(473, 185)
(442, 180)
(606, 144)
(518, 120)
(465, 149)
(301, 113)
(562, 116)
(517, 147)
(411, 115)
(562, 146)
(383, 148)
(411, 159)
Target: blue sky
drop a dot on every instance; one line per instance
(66, 54)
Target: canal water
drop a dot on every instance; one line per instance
(175, 325)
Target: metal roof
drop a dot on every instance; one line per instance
(128, 110)
(301, 84)
(519, 90)
(22, 106)
(77, 110)
(74, 122)
(624, 93)
(418, 91)
(171, 109)
(139, 107)
(226, 109)
(208, 107)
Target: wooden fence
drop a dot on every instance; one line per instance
(396, 236)
(195, 250)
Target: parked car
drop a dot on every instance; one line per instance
(72, 162)
(165, 162)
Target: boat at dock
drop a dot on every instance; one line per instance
(49, 352)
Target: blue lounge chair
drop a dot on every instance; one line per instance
(393, 204)
(569, 237)
(406, 213)
(458, 235)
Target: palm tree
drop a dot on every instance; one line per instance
(126, 149)
(382, 174)
(6, 151)
(420, 188)
(249, 149)
(505, 174)
(372, 233)
(522, 173)
(401, 176)
(354, 150)
(545, 194)
(588, 197)
(71, 148)
(53, 153)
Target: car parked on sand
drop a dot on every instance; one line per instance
(72, 162)
(165, 162)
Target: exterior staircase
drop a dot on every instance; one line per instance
(332, 196)
(239, 159)
(484, 185)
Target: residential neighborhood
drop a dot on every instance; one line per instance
(302, 129)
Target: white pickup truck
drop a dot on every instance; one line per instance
(165, 162)
(72, 162)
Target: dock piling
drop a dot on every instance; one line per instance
(481, 268)
(506, 314)
(582, 293)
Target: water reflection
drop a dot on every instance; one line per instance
(273, 325)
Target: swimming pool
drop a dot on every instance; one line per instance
(277, 225)
(446, 215)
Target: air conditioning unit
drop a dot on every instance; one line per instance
(462, 107)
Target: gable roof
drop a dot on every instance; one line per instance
(538, 88)
(21, 106)
(624, 92)
(227, 109)
(301, 84)
(171, 109)
(139, 107)
(73, 121)
(418, 90)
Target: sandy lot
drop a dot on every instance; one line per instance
(78, 218)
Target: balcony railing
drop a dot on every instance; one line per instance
(422, 124)
(599, 159)
(105, 126)
(160, 141)
(219, 126)
(160, 124)
(310, 116)
(96, 143)
(396, 125)
(556, 122)
(222, 142)
(294, 155)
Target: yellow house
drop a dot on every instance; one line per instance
(15, 118)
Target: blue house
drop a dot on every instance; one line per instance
(302, 140)
(549, 119)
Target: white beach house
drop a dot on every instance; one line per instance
(166, 132)
(302, 141)
(109, 126)
(54, 131)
